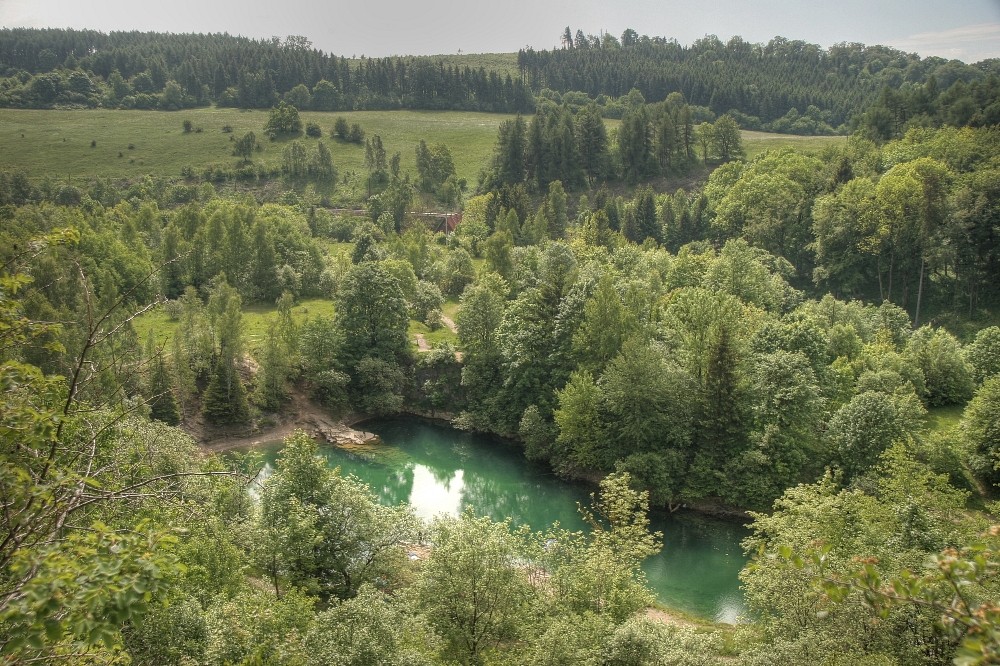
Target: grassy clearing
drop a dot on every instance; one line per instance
(755, 143)
(502, 63)
(943, 419)
(57, 143)
(450, 307)
(434, 338)
(257, 321)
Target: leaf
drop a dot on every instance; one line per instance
(53, 630)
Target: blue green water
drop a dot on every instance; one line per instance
(438, 470)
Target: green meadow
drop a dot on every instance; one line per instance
(258, 319)
(83, 144)
(755, 143)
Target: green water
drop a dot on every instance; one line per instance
(440, 470)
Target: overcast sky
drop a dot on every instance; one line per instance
(968, 30)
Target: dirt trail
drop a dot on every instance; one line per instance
(447, 321)
(422, 343)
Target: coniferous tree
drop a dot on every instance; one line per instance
(225, 399)
(162, 405)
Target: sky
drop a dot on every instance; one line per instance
(967, 30)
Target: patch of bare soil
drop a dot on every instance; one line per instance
(299, 413)
(449, 322)
(666, 617)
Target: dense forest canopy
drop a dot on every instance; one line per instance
(674, 344)
(808, 340)
(787, 85)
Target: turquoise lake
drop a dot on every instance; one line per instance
(439, 470)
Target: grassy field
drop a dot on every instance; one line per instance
(754, 143)
(502, 63)
(943, 419)
(258, 319)
(128, 144)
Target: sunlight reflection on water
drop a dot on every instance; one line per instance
(432, 496)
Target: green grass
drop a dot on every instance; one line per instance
(502, 63)
(943, 419)
(257, 320)
(755, 143)
(57, 143)
(434, 338)
(450, 307)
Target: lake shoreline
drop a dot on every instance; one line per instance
(304, 414)
(439, 470)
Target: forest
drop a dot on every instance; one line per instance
(783, 86)
(807, 340)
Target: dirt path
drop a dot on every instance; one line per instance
(447, 321)
(422, 343)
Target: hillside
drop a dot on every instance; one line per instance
(784, 85)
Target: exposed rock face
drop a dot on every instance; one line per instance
(341, 434)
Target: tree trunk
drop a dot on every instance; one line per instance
(920, 293)
(892, 261)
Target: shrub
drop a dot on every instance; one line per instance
(313, 130)
(356, 134)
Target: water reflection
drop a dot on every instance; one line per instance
(434, 494)
(438, 470)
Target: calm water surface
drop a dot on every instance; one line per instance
(438, 470)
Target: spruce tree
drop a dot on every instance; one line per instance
(225, 400)
(162, 405)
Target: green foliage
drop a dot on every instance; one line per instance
(257, 625)
(169, 634)
(867, 425)
(319, 345)
(641, 641)
(82, 591)
(981, 423)
(820, 536)
(434, 166)
(427, 297)
(599, 573)
(368, 629)
(294, 160)
(283, 120)
(567, 640)
(225, 398)
(473, 589)
(88, 491)
(325, 532)
(947, 376)
(245, 146)
(162, 405)
(270, 392)
(983, 354)
(372, 313)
